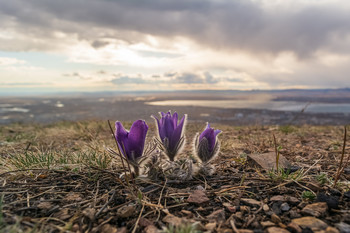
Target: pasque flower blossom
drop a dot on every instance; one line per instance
(132, 143)
(206, 144)
(171, 133)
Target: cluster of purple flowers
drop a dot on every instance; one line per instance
(170, 138)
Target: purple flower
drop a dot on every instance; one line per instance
(206, 145)
(170, 133)
(132, 143)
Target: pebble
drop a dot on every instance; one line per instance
(331, 230)
(316, 209)
(267, 224)
(198, 197)
(276, 230)
(210, 226)
(266, 208)
(285, 207)
(275, 219)
(343, 227)
(331, 201)
(293, 227)
(126, 211)
(276, 208)
(251, 202)
(311, 222)
(108, 228)
(277, 198)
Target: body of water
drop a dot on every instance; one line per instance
(256, 104)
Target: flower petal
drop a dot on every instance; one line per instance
(136, 139)
(175, 118)
(177, 133)
(217, 131)
(122, 137)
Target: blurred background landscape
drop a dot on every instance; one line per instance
(235, 62)
(318, 107)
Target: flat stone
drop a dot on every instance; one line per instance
(267, 161)
(251, 202)
(343, 227)
(126, 211)
(276, 230)
(89, 213)
(331, 201)
(311, 222)
(198, 197)
(267, 224)
(171, 219)
(210, 226)
(293, 227)
(316, 209)
(331, 230)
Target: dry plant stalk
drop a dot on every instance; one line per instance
(341, 165)
(276, 151)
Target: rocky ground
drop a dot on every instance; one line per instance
(59, 178)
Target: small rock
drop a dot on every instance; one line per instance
(277, 198)
(268, 160)
(292, 200)
(89, 213)
(218, 215)
(210, 226)
(45, 205)
(266, 208)
(285, 207)
(347, 195)
(311, 222)
(151, 229)
(293, 227)
(275, 219)
(267, 224)
(73, 197)
(331, 230)
(332, 202)
(316, 209)
(144, 222)
(245, 231)
(126, 211)
(293, 213)
(276, 230)
(108, 228)
(225, 230)
(276, 208)
(198, 197)
(171, 219)
(343, 227)
(251, 202)
(75, 227)
(230, 208)
(200, 187)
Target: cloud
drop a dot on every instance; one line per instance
(8, 61)
(270, 27)
(125, 79)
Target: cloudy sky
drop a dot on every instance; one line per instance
(97, 45)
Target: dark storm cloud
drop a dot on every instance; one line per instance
(237, 25)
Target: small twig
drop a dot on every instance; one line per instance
(138, 219)
(276, 151)
(341, 166)
(106, 204)
(233, 225)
